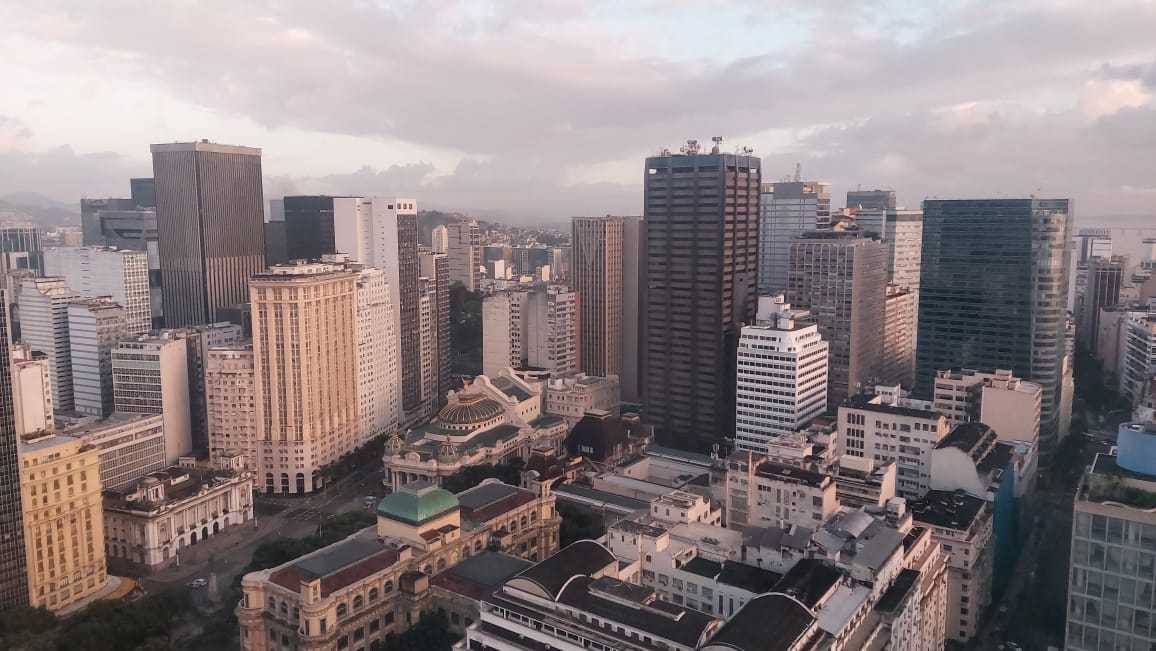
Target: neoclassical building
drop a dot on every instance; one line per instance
(352, 594)
(489, 421)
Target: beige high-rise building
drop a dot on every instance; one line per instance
(597, 277)
(230, 403)
(63, 522)
(31, 391)
(899, 313)
(304, 350)
(530, 327)
(465, 253)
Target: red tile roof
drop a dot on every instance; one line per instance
(291, 577)
(499, 508)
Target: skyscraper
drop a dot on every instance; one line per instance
(597, 276)
(44, 316)
(465, 253)
(90, 217)
(1103, 280)
(436, 267)
(13, 574)
(440, 239)
(898, 363)
(788, 210)
(94, 271)
(210, 226)
(701, 213)
(871, 199)
(378, 372)
(309, 225)
(993, 294)
(782, 375)
(150, 375)
(95, 325)
(633, 300)
(841, 278)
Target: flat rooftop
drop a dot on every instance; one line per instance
(947, 509)
(338, 565)
(1108, 482)
(477, 576)
(863, 401)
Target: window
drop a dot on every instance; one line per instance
(342, 610)
(388, 587)
(358, 602)
(343, 642)
(373, 593)
(388, 619)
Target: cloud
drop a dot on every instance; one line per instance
(65, 175)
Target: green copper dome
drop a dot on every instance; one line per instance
(417, 503)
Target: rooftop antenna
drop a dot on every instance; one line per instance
(690, 148)
(717, 144)
(798, 172)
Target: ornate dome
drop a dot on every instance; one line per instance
(469, 410)
(417, 503)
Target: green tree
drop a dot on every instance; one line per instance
(578, 523)
(430, 633)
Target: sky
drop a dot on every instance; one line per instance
(533, 111)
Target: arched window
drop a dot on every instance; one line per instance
(427, 569)
(300, 483)
(342, 610)
(284, 609)
(373, 592)
(272, 604)
(477, 545)
(358, 602)
(441, 564)
(388, 587)
(269, 488)
(523, 523)
(284, 482)
(533, 516)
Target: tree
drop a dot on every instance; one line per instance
(431, 633)
(579, 523)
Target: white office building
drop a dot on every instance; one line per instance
(902, 231)
(43, 305)
(882, 428)
(464, 250)
(150, 375)
(530, 327)
(378, 361)
(441, 239)
(95, 325)
(31, 392)
(131, 446)
(94, 271)
(782, 374)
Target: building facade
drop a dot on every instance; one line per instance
(63, 527)
(873, 429)
(464, 251)
(95, 325)
(840, 278)
(597, 277)
(440, 239)
(531, 327)
(13, 563)
(1003, 402)
(899, 313)
(31, 392)
(978, 258)
(44, 327)
(307, 404)
(199, 340)
(130, 446)
(1104, 279)
(787, 210)
(701, 216)
(436, 267)
(231, 404)
(210, 227)
(782, 375)
(150, 375)
(101, 271)
(378, 362)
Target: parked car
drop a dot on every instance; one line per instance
(197, 583)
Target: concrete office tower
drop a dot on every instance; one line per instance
(136, 230)
(21, 247)
(633, 298)
(993, 294)
(378, 372)
(90, 217)
(306, 403)
(31, 392)
(871, 199)
(95, 325)
(309, 225)
(701, 267)
(841, 278)
(1102, 285)
(782, 375)
(230, 404)
(598, 276)
(1093, 243)
(535, 327)
(899, 312)
(427, 298)
(144, 192)
(788, 210)
(13, 577)
(150, 375)
(441, 239)
(210, 223)
(436, 267)
(93, 271)
(44, 316)
(902, 232)
(1003, 402)
(1113, 535)
(465, 253)
(198, 342)
(63, 529)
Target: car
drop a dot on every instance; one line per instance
(197, 583)
(370, 499)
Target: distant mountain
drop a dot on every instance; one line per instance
(40, 210)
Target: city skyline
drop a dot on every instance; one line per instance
(1023, 117)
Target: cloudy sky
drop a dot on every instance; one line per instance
(536, 110)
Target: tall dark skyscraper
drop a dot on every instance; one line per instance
(993, 294)
(597, 277)
(436, 267)
(210, 227)
(701, 219)
(309, 230)
(13, 563)
(871, 199)
(144, 192)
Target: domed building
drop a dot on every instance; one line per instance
(419, 513)
(491, 420)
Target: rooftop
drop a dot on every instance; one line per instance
(748, 577)
(947, 509)
(477, 576)
(582, 558)
(783, 472)
(633, 527)
(586, 494)
(417, 503)
(604, 598)
(966, 436)
(897, 593)
(510, 388)
(703, 567)
(42, 441)
(809, 581)
(770, 622)
(490, 500)
(864, 401)
(1108, 482)
(338, 565)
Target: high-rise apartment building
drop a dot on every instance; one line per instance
(440, 239)
(427, 301)
(870, 427)
(13, 577)
(210, 226)
(304, 349)
(378, 372)
(701, 216)
(95, 325)
(993, 294)
(465, 253)
(782, 375)
(199, 340)
(31, 391)
(871, 199)
(1003, 402)
(436, 267)
(1103, 280)
(230, 403)
(44, 327)
(94, 271)
(841, 278)
(63, 519)
(534, 327)
(788, 210)
(899, 312)
(150, 375)
(597, 277)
